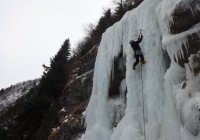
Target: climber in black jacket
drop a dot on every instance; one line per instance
(137, 51)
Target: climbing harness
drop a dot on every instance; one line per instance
(143, 107)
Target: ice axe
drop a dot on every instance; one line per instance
(140, 32)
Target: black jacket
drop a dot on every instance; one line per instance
(135, 44)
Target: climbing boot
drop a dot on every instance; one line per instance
(143, 62)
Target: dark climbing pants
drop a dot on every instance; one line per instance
(137, 59)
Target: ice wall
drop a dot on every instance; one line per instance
(151, 108)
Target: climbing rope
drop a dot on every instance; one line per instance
(143, 106)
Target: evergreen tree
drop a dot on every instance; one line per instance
(54, 78)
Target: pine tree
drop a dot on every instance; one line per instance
(54, 78)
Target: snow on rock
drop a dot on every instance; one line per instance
(14, 92)
(191, 111)
(185, 92)
(159, 100)
(63, 110)
(191, 115)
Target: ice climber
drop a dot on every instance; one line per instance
(137, 51)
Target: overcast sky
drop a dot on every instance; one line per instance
(32, 31)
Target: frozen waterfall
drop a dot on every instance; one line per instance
(150, 88)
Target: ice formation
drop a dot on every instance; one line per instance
(162, 102)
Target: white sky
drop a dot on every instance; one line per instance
(32, 31)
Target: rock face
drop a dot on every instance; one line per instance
(79, 85)
(137, 2)
(185, 17)
(75, 99)
(194, 64)
(183, 35)
(71, 123)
